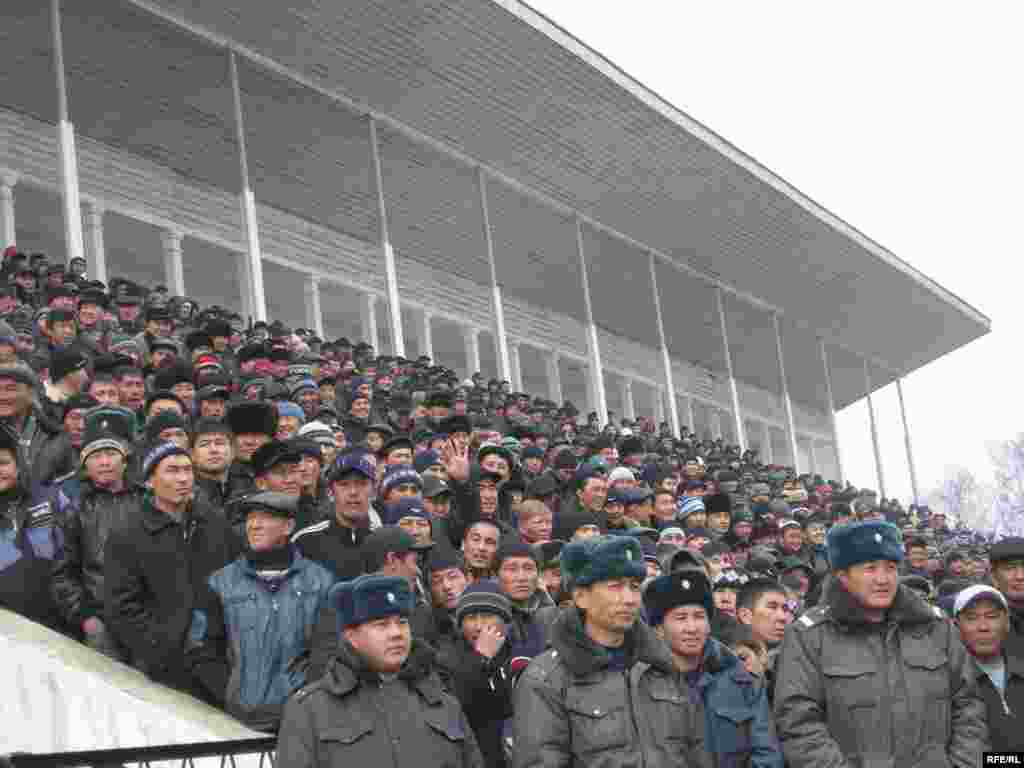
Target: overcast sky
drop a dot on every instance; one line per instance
(904, 119)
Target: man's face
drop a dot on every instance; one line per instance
(287, 428)
(438, 506)
(212, 452)
(88, 315)
(284, 477)
(172, 480)
(537, 527)
(105, 392)
(401, 455)
(61, 332)
(725, 601)
(642, 512)
(615, 512)
(160, 405)
(479, 546)
(551, 580)
(1008, 578)
(984, 626)
(360, 408)
(132, 391)
(594, 494)
(664, 507)
(74, 425)
(697, 519)
(686, 630)
(128, 313)
(696, 543)
(175, 435)
(213, 408)
(14, 398)
(872, 584)
(937, 521)
(309, 472)
(265, 531)
(768, 618)
(160, 357)
(518, 578)
(611, 607)
(956, 568)
(105, 467)
(475, 623)
(816, 534)
(446, 586)
(405, 565)
(247, 443)
(352, 499)
(488, 493)
(384, 644)
(494, 463)
(792, 539)
(418, 528)
(719, 522)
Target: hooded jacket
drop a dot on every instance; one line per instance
(896, 694)
(573, 708)
(351, 717)
(739, 729)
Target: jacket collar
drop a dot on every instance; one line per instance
(539, 599)
(154, 521)
(584, 657)
(347, 671)
(908, 609)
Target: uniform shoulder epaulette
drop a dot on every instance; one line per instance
(541, 667)
(307, 689)
(813, 617)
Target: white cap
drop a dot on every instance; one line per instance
(965, 597)
(621, 473)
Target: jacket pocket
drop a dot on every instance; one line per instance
(596, 726)
(927, 677)
(448, 745)
(337, 743)
(731, 728)
(852, 705)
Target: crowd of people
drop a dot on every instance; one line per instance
(379, 561)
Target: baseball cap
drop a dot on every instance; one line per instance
(353, 462)
(966, 597)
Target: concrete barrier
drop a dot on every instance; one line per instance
(57, 696)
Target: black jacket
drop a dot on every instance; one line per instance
(156, 568)
(1004, 712)
(484, 689)
(334, 547)
(87, 515)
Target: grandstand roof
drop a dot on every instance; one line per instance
(495, 83)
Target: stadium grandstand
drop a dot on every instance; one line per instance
(463, 184)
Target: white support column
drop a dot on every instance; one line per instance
(515, 364)
(666, 359)
(314, 315)
(874, 432)
(554, 377)
(767, 454)
(786, 402)
(425, 335)
(734, 392)
(599, 400)
(8, 234)
(254, 298)
(831, 410)
(368, 320)
(471, 336)
(626, 393)
(659, 404)
(716, 423)
(506, 368)
(812, 455)
(174, 271)
(390, 271)
(245, 285)
(689, 413)
(95, 246)
(906, 440)
(66, 143)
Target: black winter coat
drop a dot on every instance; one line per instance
(1004, 712)
(156, 568)
(87, 516)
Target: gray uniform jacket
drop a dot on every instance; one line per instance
(572, 709)
(851, 693)
(350, 718)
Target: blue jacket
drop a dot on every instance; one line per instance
(738, 726)
(248, 638)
